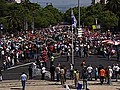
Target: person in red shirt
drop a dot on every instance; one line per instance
(102, 75)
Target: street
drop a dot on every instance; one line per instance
(94, 60)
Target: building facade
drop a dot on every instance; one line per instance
(99, 1)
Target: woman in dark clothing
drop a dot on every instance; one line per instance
(30, 72)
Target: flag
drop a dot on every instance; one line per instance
(73, 19)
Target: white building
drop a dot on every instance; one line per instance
(18, 1)
(99, 1)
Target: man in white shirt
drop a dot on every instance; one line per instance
(23, 80)
(43, 73)
(110, 75)
(116, 70)
(89, 70)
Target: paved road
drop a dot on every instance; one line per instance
(94, 60)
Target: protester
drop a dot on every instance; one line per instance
(71, 71)
(65, 69)
(116, 69)
(23, 80)
(62, 78)
(110, 75)
(1, 78)
(89, 70)
(30, 72)
(52, 58)
(76, 77)
(83, 63)
(43, 71)
(52, 72)
(57, 70)
(96, 73)
(102, 75)
(85, 77)
(68, 56)
(26, 45)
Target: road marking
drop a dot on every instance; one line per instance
(13, 67)
(19, 66)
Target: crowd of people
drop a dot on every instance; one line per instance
(105, 74)
(23, 46)
(40, 46)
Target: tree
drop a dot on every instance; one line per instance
(113, 5)
(105, 18)
(108, 20)
(56, 13)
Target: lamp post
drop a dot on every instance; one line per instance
(79, 30)
(33, 24)
(1, 28)
(78, 13)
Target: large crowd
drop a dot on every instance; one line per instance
(40, 45)
(25, 45)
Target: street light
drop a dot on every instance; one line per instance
(78, 13)
(1, 28)
(33, 23)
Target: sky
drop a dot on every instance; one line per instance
(63, 4)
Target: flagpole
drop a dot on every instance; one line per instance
(72, 48)
(72, 36)
(74, 23)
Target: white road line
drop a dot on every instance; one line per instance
(19, 66)
(23, 65)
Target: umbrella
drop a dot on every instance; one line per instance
(111, 42)
(105, 41)
(108, 42)
(117, 43)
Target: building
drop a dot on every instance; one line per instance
(99, 1)
(103, 1)
(18, 1)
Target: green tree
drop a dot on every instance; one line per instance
(56, 13)
(108, 19)
(113, 5)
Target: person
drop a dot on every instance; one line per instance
(65, 69)
(57, 70)
(83, 63)
(116, 69)
(62, 72)
(102, 75)
(52, 60)
(96, 73)
(43, 71)
(0, 74)
(110, 75)
(99, 68)
(52, 72)
(30, 72)
(85, 50)
(76, 77)
(71, 71)
(107, 75)
(84, 77)
(68, 56)
(23, 80)
(89, 70)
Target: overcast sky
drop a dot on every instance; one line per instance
(63, 3)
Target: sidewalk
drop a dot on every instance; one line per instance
(49, 85)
